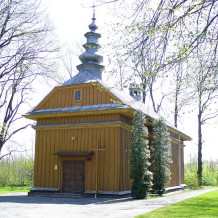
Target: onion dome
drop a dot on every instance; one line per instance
(90, 68)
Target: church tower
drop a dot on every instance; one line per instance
(90, 68)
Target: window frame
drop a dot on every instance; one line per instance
(75, 95)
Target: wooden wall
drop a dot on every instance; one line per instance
(174, 167)
(91, 94)
(49, 142)
(182, 164)
(80, 119)
(177, 167)
(113, 164)
(125, 182)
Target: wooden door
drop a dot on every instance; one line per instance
(73, 176)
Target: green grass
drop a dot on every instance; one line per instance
(9, 189)
(202, 206)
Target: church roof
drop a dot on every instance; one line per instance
(125, 102)
(78, 109)
(86, 76)
(130, 102)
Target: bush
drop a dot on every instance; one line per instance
(140, 154)
(161, 157)
(210, 174)
(16, 171)
(191, 180)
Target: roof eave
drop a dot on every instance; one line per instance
(127, 111)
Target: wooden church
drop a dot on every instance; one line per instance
(82, 142)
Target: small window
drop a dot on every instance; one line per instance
(77, 95)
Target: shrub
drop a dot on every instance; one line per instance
(16, 170)
(191, 180)
(161, 157)
(139, 174)
(210, 173)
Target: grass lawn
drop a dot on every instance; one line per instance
(8, 189)
(202, 206)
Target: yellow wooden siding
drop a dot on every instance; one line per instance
(114, 168)
(79, 119)
(36, 168)
(126, 120)
(113, 162)
(64, 97)
(125, 182)
(51, 141)
(174, 167)
(182, 165)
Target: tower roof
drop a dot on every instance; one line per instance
(90, 68)
(93, 26)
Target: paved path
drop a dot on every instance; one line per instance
(19, 205)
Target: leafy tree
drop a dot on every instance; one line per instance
(154, 38)
(167, 43)
(161, 156)
(27, 48)
(203, 73)
(139, 159)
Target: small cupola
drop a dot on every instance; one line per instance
(135, 91)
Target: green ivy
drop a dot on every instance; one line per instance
(140, 154)
(161, 157)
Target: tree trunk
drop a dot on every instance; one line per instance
(176, 111)
(1, 140)
(200, 168)
(152, 99)
(144, 93)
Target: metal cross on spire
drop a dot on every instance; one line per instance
(93, 26)
(93, 11)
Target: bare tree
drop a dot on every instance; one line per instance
(27, 50)
(69, 56)
(181, 92)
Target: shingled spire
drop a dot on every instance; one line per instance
(91, 46)
(90, 69)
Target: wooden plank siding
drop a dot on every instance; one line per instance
(80, 119)
(182, 165)
(50, 142)
(63, 96)
(174, 167)
(113, 162)
(114, 168)
(125, 182)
